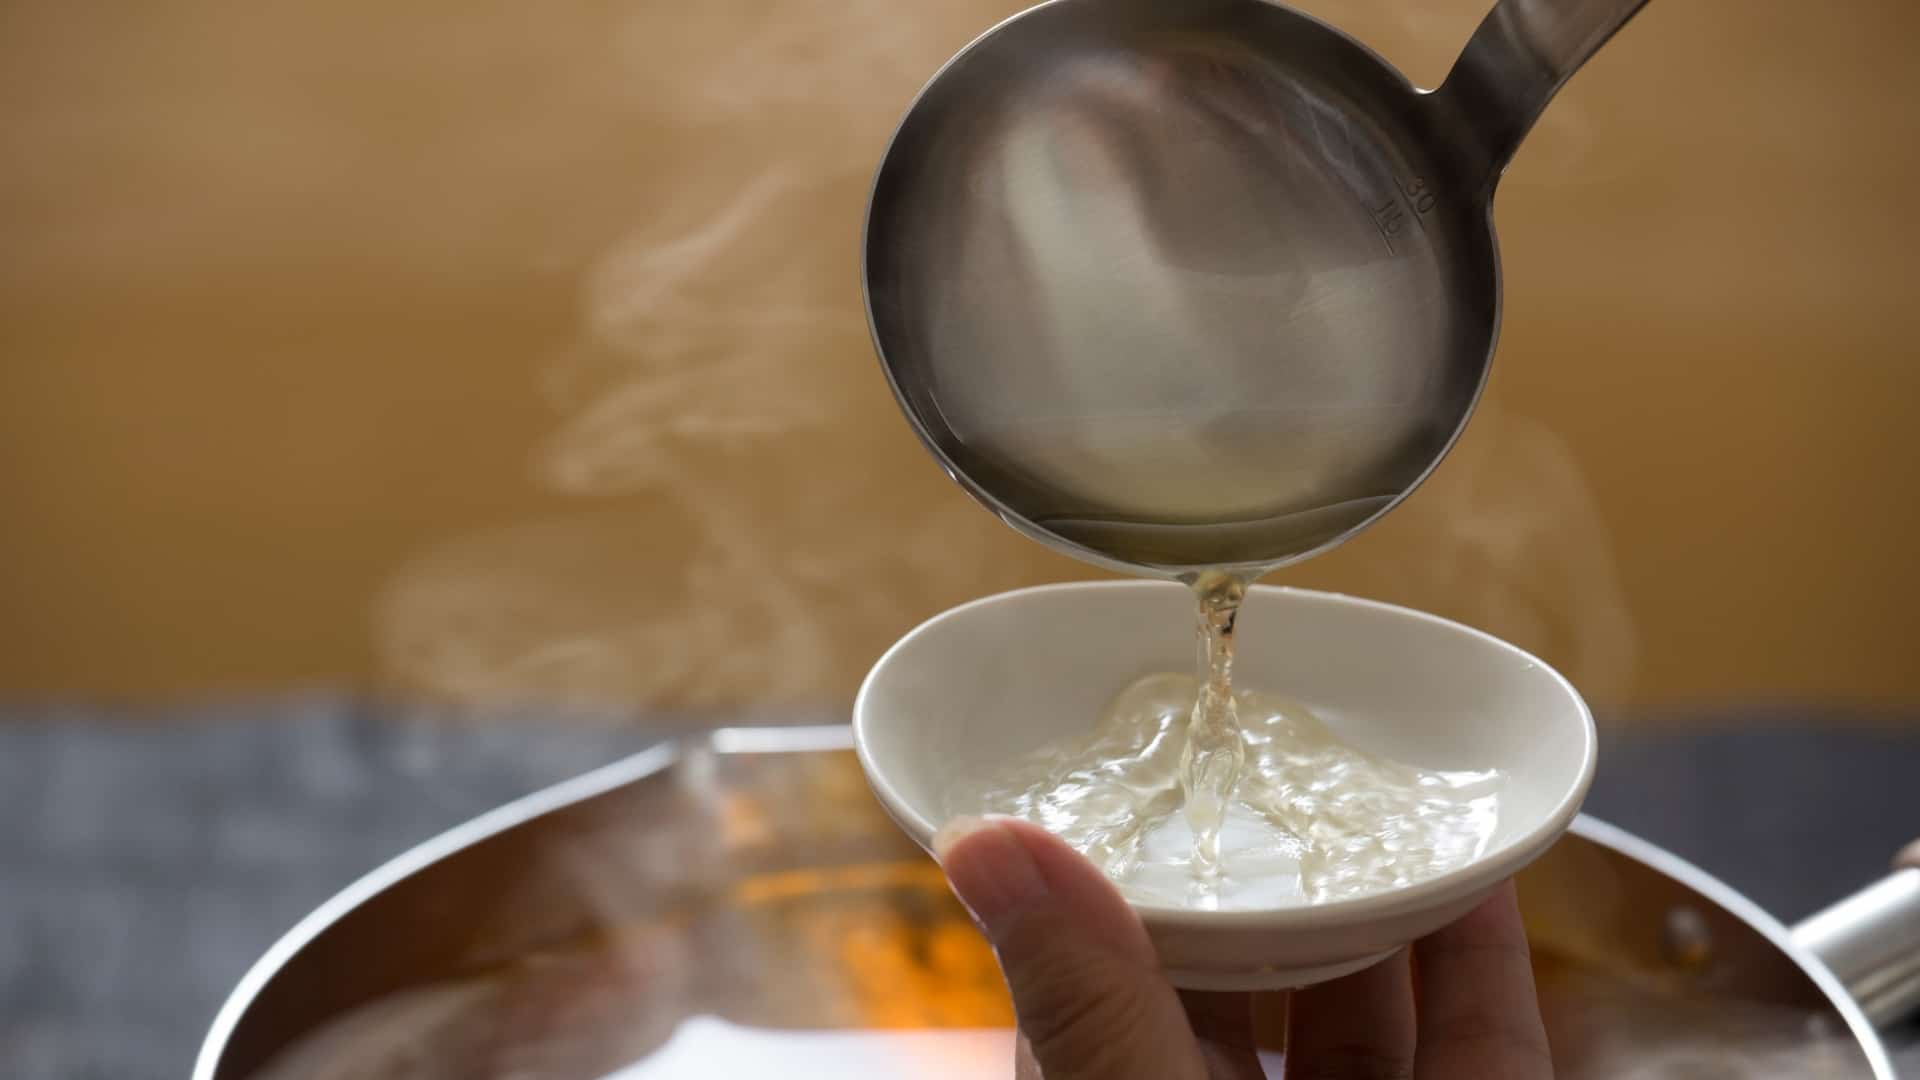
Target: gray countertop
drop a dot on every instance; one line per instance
(144, 866)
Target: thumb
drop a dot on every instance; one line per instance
(1087, 988)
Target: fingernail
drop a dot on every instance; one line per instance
(991, 869)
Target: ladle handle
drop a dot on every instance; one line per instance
(1522, 54)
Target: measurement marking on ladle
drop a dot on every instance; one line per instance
(1391, 216)
(1419, 194)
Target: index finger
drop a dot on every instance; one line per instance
(1478, 1015)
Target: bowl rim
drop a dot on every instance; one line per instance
(1502, 862)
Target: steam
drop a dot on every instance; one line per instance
(721, 406)
(679, 353)
(1606, 1023)
(753, 524)
(1532, 529)
(1506, 536)
(841, 56)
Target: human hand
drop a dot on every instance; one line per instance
(1092, 1003)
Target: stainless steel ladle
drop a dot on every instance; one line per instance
(1180, 284)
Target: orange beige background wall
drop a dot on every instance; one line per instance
(507, 352)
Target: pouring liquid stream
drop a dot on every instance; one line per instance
(1216, 748)
(1191, 793)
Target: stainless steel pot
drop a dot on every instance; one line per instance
(746, 874)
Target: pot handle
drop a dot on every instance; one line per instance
(1871, 941)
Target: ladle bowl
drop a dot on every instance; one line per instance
(1204, 284)
(986, 682)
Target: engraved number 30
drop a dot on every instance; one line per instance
(1419, 194)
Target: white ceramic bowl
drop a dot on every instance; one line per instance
(1002, 676)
